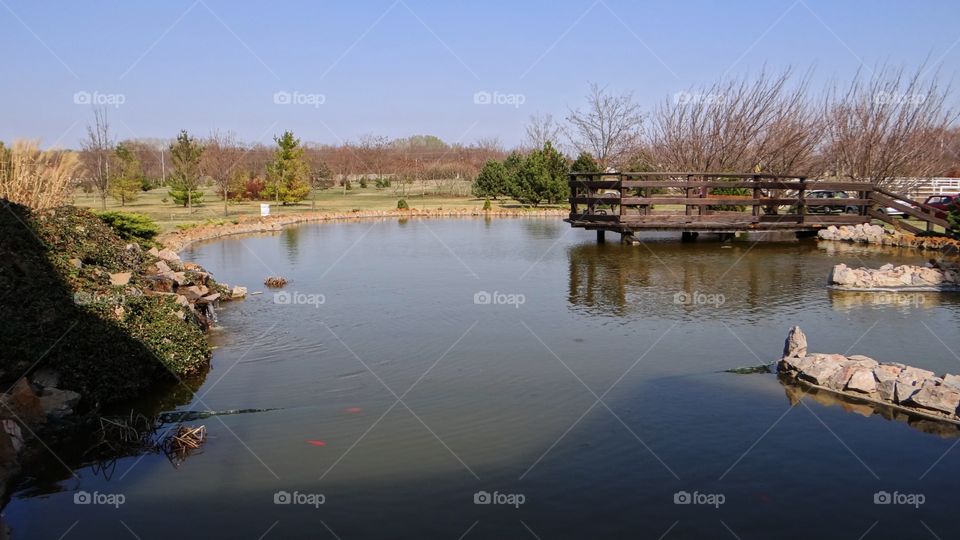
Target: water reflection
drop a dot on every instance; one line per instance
(796, 392)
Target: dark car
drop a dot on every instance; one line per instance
(839, 207)
(942, 202)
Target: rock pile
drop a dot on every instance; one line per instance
(875, 234)
(914, 390)
(890, 277)
(191, 286)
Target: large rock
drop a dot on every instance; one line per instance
(953, 381)
(863, 381)
(936, 397)
(58, 403)
(120, 278)
(238, 292)
(914, 376)
(795, 345)
(168, 255)
(823, 368)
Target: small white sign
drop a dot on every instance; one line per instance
(264, 209)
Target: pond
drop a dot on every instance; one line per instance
(511, 378)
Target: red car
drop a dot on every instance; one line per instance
(942, 202)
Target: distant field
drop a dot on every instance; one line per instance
(169, 215)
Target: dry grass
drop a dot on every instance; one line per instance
(36, 178)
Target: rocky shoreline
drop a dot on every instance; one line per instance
(114, 319)
(875, 234)
(178, 240)
(918, 392)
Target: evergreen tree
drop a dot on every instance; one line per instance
(585, 163)
(542, 177)
(287, 174)
(185, 177)
(126, 179)
(493, 181)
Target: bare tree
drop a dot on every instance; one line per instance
(759, 124)
(98, 152)
(542, 129)
(221, 154)
(609, 128)
(887, 127)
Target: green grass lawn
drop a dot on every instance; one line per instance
(169, 215)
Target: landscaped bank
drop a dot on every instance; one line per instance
(89, 320)
(251, 224)
(910, 389)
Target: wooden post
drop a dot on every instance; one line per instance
(756, 196)
(801, 204)
(688, 210)
(600, 236)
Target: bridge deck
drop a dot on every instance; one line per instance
(723, 202)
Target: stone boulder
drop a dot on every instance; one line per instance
(936, 397)
(58, 403)
(796, 343)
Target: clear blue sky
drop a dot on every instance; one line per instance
(413, 66)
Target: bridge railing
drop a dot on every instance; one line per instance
(629, 199)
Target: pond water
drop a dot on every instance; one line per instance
(415, 366)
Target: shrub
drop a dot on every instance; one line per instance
(363, 183)
(130, 225)
(487, 205)
(402, 205)
(382, 183)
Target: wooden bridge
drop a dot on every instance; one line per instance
(701, 202)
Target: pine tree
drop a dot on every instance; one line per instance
(287, 174)
(127, 176)
(185, 177)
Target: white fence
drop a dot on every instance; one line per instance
(921, 188)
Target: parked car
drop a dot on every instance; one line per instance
(942, 202)
(839, 207)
